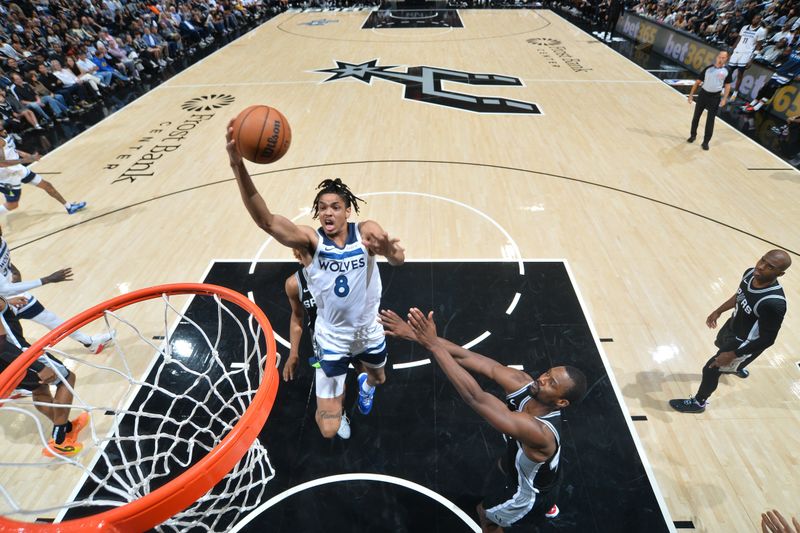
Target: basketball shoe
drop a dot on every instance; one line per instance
(100, 341)
(553, 512)
(364, 398)
(68, 448)
(77, 425)
(74, 207)
(689, 405)
(344, 428)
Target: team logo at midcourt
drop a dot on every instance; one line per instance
(208, 102)
(424, 84)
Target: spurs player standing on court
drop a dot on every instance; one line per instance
(13, 173)
(522, 487)
(343, 277)
(751, 37)
(759, 306)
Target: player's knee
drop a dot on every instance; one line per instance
(327, 427)
(379, 378)
(12, 205)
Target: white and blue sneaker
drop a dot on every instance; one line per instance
(74, 207)
(364, 398)
(344, 428)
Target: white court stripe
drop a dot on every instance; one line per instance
(513, 304)
(412, 364)
(473, 342)
(359, 477)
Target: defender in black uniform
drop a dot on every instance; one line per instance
(759, 306)
(302, 302)
(522, 486)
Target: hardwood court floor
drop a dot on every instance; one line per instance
(656, 231)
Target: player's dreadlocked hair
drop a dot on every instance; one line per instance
(340, 189)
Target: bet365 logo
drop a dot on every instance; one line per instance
(424, 84)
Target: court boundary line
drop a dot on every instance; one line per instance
(621, 401)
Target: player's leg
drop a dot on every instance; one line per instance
(46, 186)
(487, 526)
(373, 360)
(330, 404)
(12, 194)
(64, 434)
(35, 311)
(699, 105)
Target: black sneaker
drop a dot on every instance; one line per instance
(743, 373)
(704, 146)
(689, 405)
(691, 139)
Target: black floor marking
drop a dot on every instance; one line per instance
(158, 337)
(420, 430)
(395, 161)
(683, 524)
(637, 418)
(782, 168)
(45, 520)
(606, 339)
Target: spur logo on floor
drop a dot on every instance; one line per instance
(424, 84)
(141, 157)
(555, 54)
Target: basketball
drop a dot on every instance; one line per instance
(262, 134)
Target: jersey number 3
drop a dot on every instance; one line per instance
(340, 286)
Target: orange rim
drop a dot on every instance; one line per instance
(181, 492)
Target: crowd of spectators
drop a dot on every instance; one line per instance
(61, 58)
(718, 22)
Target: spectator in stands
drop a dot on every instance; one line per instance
(28, 98)
(75, 90)
(100, 59)
(787, 72)
(16, 116)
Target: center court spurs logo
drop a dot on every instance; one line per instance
(424, 84)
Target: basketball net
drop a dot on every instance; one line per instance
(175, 406)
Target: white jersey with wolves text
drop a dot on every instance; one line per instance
(345, 282)
(749, 37)
(12, 175)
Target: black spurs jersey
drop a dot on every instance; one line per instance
(757, 315)
(307, 299)
(531, 477)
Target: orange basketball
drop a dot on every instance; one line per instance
(262, 134)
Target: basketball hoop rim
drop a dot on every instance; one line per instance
(178, 494)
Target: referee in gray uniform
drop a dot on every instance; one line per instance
(712, 81)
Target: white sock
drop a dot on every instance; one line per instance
(67, 204)
(51, 321)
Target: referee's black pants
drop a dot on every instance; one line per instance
(709, 102)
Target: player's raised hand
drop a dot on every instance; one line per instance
(393, 325)
(65, 274)
(233, 150)
(423, 326)
(381, 244)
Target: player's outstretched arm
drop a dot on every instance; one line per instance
(378, 242)
(510, 379)
(521, 427)
(281, 228)
(295, 328)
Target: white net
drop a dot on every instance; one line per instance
(159, 398)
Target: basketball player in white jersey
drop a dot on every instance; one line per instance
(343, 277)
(13, 173)
(11, 284)
(751, 37)
(522, 487)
